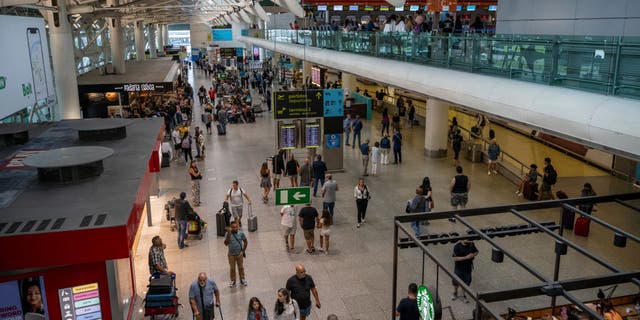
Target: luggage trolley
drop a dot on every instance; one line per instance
(161, 300)
(195, 226)
(170, 210)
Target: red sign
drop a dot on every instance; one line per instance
(15, 162)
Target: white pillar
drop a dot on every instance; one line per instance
(152, 41)
(64, 65)
(348, 83)
(166, 35)
(436, 127)
(161, 29)
(115, 38)
(139, 35)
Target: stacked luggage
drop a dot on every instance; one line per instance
(161, 296)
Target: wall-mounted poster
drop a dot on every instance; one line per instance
(80, 302)
(23, 299)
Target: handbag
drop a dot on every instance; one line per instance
(431, 204)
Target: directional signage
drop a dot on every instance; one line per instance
(333, 102)
(298, 104)
(286, 196)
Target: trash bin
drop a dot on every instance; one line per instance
(474, 152)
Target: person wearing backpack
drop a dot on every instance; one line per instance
(549, 178)
(357, 129)
(185, 144)
(418, 205)
(234, 196)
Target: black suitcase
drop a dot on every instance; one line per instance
(221, 131)
(567, 219)
(221, 224)
(166, 160)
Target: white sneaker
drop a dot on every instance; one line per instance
(495, 171)
(358, 225)
(489, 173)
(232, 284)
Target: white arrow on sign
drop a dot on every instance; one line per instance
(299, 195)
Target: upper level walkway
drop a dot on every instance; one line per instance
(599, 64)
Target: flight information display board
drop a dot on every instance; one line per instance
(287, 136)
(312, 135)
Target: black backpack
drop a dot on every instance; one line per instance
(552, 176)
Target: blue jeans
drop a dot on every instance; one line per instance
(315, 184)
(306, 311)
(415, 225)
(346, 136)
(182, 232)
(356, 134)
(329, 205)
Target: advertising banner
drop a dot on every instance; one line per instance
(26, 76)
(80, 303)
(23, 299)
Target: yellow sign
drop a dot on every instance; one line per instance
(85, 288)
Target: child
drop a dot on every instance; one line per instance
(375, 157)
(325, 230)
(256, 310)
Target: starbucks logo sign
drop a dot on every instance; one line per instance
(425, 303)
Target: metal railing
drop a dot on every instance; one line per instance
(600, 64)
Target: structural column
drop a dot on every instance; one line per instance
(166, 35)
(306, 70)
(115, 38)
(348, 83)
(140, 45)
(161, 31)
(64, 66)
(436, 127)
(152, 41)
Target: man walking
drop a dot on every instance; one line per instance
(308, 217)
(306, 174)
(329, 189)
(237, 243)
(319, 169)
(357, 129)
(365, 150)
(301, 286)
(459, 188)
(397, 147)
(204, 297)
(549, 178)
(234, 196)
(288, 223)
(463, 254)
(181, 209)
(347, 128)
(157, 262)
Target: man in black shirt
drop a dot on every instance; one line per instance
(463, 254)
(182, 208)
(308, 217)
(319, 169)
(301, 286)
(408, 307)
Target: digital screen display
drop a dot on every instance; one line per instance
(493, 8)
(322, 8)
(288, 136)
(80, 302)
(445, 8)
(426, 8)
(312, 135)
(316, 75)
(353, 8)
(471, 8)
(384, 8)
(337, 7)
(414, 8)
(399, 9)
(368, 8)
(458, 8)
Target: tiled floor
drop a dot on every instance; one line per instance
(355, 281)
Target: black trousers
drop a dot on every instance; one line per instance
(361, 204)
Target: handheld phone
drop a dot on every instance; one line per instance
(36, 55)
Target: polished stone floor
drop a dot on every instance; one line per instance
(355, 280)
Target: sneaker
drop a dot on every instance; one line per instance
(244, 283)
(519, 194)
(232, 284)
(363, 220)
(495, 171)
(321, 250)
(489, 173)
(517, 191)
(358, 225)
(454, 297)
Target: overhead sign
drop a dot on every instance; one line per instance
(126, 87)
(299, 195)
(333, 102)
(425, 303)
(80, 303)
(298, 104)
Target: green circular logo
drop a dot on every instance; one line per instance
(425, 303)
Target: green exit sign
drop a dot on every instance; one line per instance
(287, 196)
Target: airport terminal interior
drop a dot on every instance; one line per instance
(113, 110)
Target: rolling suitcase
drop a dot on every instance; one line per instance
(567, 219)
(221, 131)
(221, 223)
(252, 220)
(166, 160)
(582, 227)
(530, 191)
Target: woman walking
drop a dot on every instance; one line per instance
(256, 310)
(361, 193)
(196, 176)
(325, 230)
(265, 182)
(286, 308)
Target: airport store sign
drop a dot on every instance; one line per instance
(127, 87)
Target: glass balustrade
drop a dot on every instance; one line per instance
(599, 64)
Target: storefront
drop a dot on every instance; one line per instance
(124, 100)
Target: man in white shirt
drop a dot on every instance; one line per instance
(177, 140)
(289, 225)
(234, 196)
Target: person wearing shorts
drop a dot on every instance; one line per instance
(308, 217)
(463, 254)
(456, 145)
(459, 188)
(234, 196)
(288, 224)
